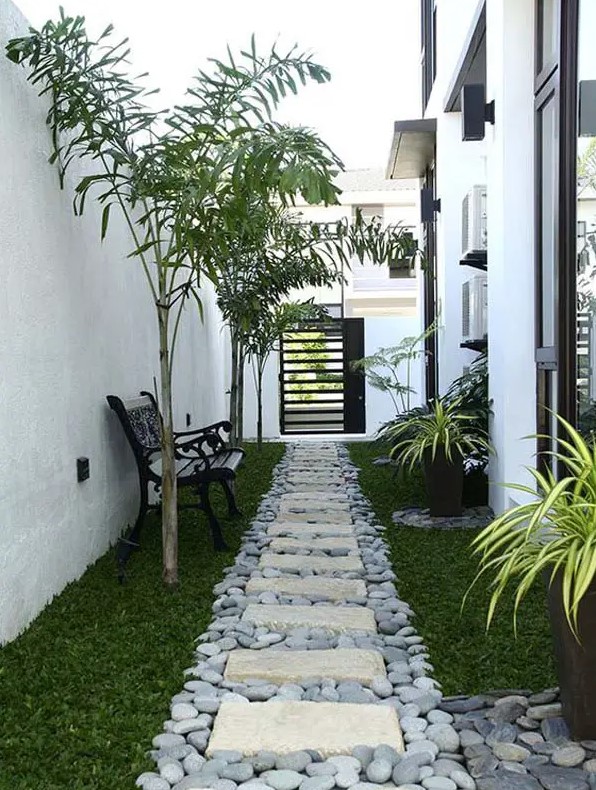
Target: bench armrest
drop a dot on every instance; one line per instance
(210, 435)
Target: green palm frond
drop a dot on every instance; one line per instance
(554, 532)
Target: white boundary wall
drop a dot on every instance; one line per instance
(76, 323)
(378, 332)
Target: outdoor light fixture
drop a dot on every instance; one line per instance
(475, 112)
(429, 205)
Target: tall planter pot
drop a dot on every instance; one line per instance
(444, 483)
(576, 661)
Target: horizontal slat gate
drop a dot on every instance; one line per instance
(312, 379)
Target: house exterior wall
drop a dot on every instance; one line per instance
(504, 162)
(76, 323)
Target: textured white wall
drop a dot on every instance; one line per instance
(510, 149)
(76, 323)
(383, 332)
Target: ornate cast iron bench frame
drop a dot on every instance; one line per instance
(202, 458)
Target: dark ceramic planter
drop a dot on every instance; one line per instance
(576, 661)
(444, 483)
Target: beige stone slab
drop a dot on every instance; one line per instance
(279, 667)
(329, 727)
(321, 493)
(333, 618)
(314, 505)
(334, 589)
(305, 562)
(304, 529)
(324, 544)
(312, 516)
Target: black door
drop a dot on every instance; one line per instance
(319, 392)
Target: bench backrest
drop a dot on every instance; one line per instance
(140, 420)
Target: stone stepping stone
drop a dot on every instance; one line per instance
(324, 544)
(334, 589)
(312, 516)
(305, 562)
(316, 505)
(276, 666)
(337, 619)
(303, 529)
(331, 728)
(330, 496)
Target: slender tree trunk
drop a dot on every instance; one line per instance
(169, 494)
(234, 388)
(259, 407)
(240, 393)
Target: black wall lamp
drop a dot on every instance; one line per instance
(475, 112)
(429, 205)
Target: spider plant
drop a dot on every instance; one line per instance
(444, 427)
(553, 533)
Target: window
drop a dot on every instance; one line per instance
(428, 17)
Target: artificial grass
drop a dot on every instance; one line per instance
(87, 686)
(434, 570)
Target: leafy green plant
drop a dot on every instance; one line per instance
(470, 390)
(443, 426)
(383, 368)
(555, 532)
(182, 180)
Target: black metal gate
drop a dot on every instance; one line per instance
(319, 392)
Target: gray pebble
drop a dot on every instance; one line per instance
(318, 783)
(379, 770)
(238, 772)
(282, 780)
(293, 761)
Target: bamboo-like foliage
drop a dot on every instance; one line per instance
(443, 426)
(174, 176)
(554, 532)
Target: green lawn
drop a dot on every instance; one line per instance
(87, 686)
(434, 570)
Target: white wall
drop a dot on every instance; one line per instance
(383, 332)
(460, 165)
(76, 323)
(270, 400)
(510, 149)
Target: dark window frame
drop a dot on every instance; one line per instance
(431, 370)
(428, 42)
(556, 365)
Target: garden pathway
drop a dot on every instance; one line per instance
(310, 675)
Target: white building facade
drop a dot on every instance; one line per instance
(508, 102)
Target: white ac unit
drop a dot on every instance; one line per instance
(474, 304)
(473, 225)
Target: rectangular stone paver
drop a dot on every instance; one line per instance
(328, 727)
(313, 504)
(276, 666)
(334, 589)
(317, 564)
(329, 496)
(305, 528)
(325, 544)
(332, 618)
(312, 516)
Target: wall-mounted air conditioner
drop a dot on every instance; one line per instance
(474, 304)
(474, 237)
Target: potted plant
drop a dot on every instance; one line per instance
(554, 535)
(403, 266)
(440, 437)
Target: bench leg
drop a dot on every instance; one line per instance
(219, 543)
(228, 489)
(130, 543)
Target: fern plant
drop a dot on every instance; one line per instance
(554, 532)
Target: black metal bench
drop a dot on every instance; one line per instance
(202, 458)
